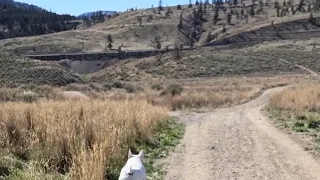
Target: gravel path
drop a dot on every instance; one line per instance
(239, 143)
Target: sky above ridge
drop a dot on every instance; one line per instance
(77, 7)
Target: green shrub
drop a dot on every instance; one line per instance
(313, 122)
(173, 89)
(156, 87)
(118, 85)
(107, 86)
(299, 127)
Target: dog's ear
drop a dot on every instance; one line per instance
(130, 154)
(141, 155)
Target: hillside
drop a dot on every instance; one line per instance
(134, 30)
(21, 19)
(246, 54)
(16, 71)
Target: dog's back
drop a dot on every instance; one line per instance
(134, 168)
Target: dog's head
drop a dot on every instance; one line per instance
(130, 170)
(140, 155)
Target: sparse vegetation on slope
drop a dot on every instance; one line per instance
(15, 71)
(202, 63)
(137, 29)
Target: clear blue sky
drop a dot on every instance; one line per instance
(77, 7)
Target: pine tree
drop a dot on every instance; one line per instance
(160, 7)
(278, 11)
(284, 3)
(157, 41)
(242, 12)
(229, 16)
(110, 41)
(276, 5)
(216, 15)
(176, 51)
(252, 13)
(190, 4)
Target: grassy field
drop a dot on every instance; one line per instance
(82, 140)
(297, 109)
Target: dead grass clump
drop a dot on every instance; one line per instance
(7, 94)
(211, 97)
(78, 139)
(306, 98)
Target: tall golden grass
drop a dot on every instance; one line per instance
(79, 138)
(306, 97)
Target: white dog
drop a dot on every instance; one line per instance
(134, 168)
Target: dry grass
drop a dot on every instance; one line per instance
(80, 139)
(305, 98)
(208, 93)
(296, 110)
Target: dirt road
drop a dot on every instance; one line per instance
(239, 143)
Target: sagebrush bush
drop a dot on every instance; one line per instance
(157, 87)
(118, 85)
(107, 86)
(173, 89)
(129, 88)
(95, 87)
